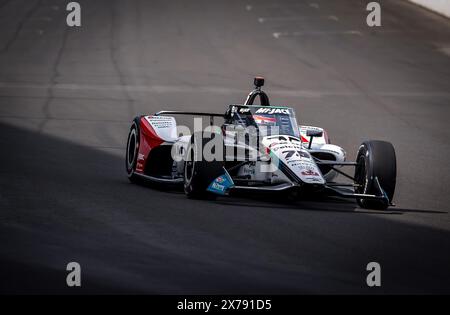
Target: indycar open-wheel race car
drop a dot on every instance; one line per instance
(257, 148)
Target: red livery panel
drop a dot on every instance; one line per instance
(148, 140)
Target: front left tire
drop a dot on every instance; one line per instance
(198, 172)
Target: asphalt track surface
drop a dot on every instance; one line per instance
(67, 96)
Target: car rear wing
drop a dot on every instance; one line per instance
(174, 112)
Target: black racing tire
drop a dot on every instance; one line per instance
(132, 150)
(375, 159)
(198, 172)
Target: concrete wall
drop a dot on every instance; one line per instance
(439, 6)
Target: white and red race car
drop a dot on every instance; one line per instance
(257, 148)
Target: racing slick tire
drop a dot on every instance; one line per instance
(198, 171)
(133, 141)
(376, 160)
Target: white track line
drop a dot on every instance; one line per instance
(297, 18)
(209, 89)
(316, 33)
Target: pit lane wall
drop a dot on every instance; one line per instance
(440, 6)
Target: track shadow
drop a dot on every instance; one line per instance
(281, 201)
(64, 202)
(329, 204)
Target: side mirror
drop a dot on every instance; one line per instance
(314, 133)
(311, 133)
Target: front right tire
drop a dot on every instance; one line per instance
(376, 160)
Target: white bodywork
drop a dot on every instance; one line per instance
(322, 144)
(288, 152)
(164, 126)
(283, 152)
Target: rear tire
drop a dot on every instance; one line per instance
(132, 151)
(198, 172)
(375, 160)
